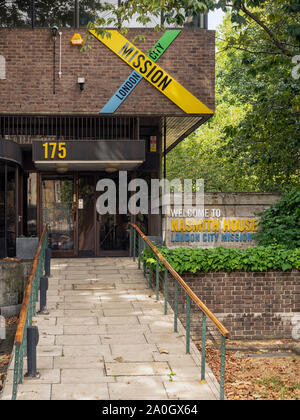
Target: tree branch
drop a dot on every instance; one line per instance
(268, 31)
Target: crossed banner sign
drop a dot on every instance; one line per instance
(145, 67)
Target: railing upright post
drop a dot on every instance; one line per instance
(203, 346)
(32, 342)
(130, 241)
(16, 372)
(166, 291)
(222, 370)
(43, 295)
(139, 252)
(134, 244)
(144, 262)
(150, 271)
(188, 322)
(175, 305)
(157, 279)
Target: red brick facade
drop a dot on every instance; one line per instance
(252, 306)
(28, 87)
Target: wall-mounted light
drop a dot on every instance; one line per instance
(54, 31)
(81, 82)
(111, 170)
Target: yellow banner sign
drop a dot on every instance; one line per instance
(154, 74)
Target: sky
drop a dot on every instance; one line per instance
(215, 19)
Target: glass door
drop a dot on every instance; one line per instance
(58, 209)
(112, 230)
(113, 235)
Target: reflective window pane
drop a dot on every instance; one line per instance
(2, 210)
(11, 211)
(57, 212)
(32, 205)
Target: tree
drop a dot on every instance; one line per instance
(281, 36)
(267, 140)
(252, 142)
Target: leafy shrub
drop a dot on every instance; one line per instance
(280, 224)
(259, 258)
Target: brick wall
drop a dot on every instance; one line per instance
(252, 306)
(28, 87)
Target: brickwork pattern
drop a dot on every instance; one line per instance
(252, 306)
(28, 87)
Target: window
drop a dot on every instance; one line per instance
(7, 210)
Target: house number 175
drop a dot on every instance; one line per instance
(54, 150)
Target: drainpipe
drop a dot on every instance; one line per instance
(60, 57)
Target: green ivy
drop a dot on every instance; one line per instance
(259, 258)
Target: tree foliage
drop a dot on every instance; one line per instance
(253, 141)
(281, 35)
(280, 224)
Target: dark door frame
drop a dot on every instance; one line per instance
(40, 175)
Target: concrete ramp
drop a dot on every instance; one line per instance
(107, 338)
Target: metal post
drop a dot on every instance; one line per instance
(175, 305)
(150, 272)
(48, 262)
(157, 279)
(166, 291)
(188, 322)
(130, 241)
(32, 342)
(203, 346)
(139, 252)
(222, 373)
(16, 372)
(43, 295)
(134, 244)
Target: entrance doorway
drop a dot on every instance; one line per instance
(99, 235)
(58, 210)
(68, 206)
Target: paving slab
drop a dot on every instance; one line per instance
(80, 392)
(84, 329)
(137, 369)
(188, 390)
(106, 337)
(83, 320)
(92, 350)
(126, 320)
(85, 376)
(77, 340)
(126, 338)
(132, 389)
(34, 391)
(75, 362)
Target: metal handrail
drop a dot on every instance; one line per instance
(28, 310)
(190, 295)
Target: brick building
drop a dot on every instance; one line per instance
(60, 132)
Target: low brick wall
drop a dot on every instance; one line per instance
(252, 306)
